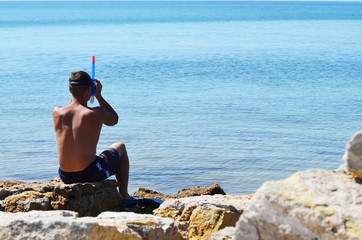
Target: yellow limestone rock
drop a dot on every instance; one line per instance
(205, 222)
(312, 204)
(200, 217)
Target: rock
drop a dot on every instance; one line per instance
(312, 204)
(353, 155)
(201, 217)
(144, 226)
(66, 225)
(224, 234)
(199, 191)
(148, 193)
(88, 199)
(36, 204)
(188, 192)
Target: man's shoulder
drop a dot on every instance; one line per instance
(57, 109)
(98, 110)
(95, 112)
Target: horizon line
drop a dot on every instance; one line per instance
(180, 0)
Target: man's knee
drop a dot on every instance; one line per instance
(120, 147)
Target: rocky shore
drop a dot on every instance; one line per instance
(311, 204)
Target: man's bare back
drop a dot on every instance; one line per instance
(77, 130)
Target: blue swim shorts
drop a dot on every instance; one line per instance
(105, 165)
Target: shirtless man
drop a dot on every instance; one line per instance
(77, 129)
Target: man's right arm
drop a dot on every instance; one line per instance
(109, 116)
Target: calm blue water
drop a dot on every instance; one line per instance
(235, 93)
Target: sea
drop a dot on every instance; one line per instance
(227, 92)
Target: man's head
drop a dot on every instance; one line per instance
(79, 82)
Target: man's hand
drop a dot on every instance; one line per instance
(98, 88)
(109, 116)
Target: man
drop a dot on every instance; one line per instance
(77, 129)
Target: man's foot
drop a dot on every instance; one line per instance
(141, 202)
(124, 194)
(129, 202)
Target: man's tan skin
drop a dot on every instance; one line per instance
(77, 129)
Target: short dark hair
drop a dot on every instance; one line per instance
(79, 81)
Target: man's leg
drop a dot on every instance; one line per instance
(123, 170)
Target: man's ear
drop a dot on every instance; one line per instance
(70, 90)
(89, 89)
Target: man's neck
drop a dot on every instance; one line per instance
(80, 101)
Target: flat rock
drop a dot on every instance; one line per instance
(312, 204)
(187, 192)
(199, 191)
(88, 199)
(201, 217)
(66, 225)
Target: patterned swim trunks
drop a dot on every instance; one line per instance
(105, 165)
